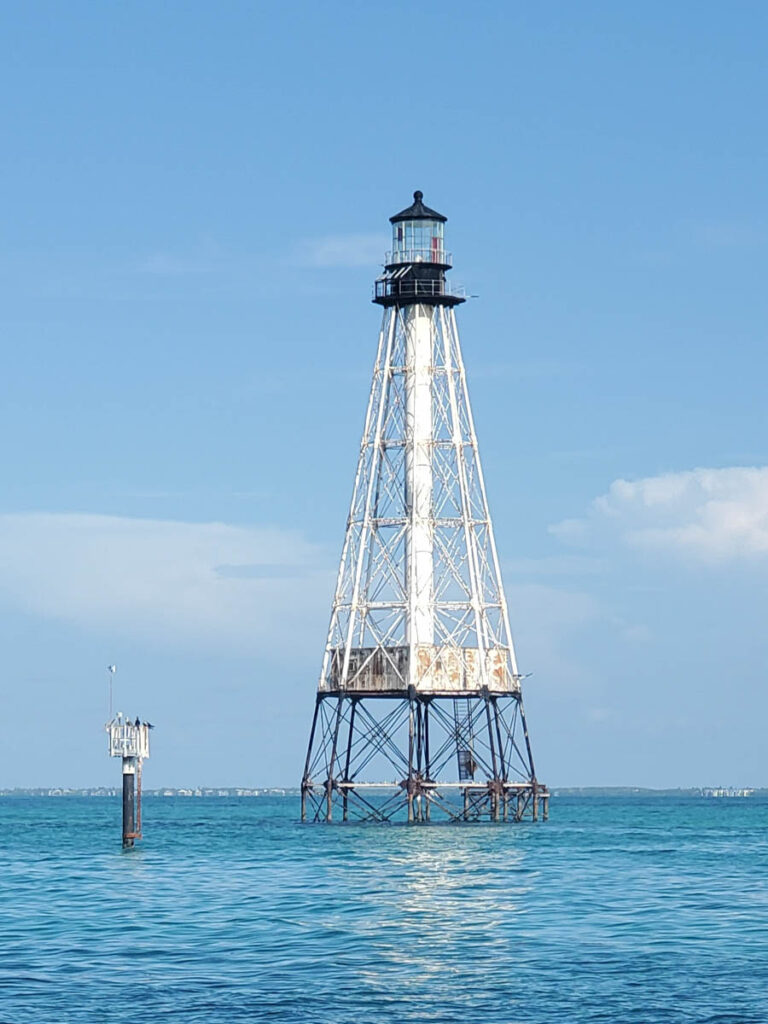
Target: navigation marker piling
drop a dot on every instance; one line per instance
(129, 740)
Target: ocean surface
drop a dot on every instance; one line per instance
(640, 909)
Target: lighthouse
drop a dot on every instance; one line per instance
(419, 707)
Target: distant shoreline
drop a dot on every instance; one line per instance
(224, 792)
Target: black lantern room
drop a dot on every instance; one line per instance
(415, 266)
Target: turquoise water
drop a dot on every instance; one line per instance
(615, 910)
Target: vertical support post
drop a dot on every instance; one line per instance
(494, 809)
(419, 760)
(527, 738)
(427, 768)
(419, 738)
(332, 764)
(501, 793)
(535, 799)
(496, 718)
(545, 806)
(427, 765)
(410, 759)
(491, 743)
(466, 803)
(345, 798)
(129, 801)
(305, 778)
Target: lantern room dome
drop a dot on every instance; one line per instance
(418, 211)
(417, 236)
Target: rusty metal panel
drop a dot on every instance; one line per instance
(460, 670)
(370, 670)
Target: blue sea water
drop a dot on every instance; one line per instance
(641, 909)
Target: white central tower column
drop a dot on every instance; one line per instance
(418, 475)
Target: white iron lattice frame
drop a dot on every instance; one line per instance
(419, 599)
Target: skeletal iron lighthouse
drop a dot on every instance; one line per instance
(419, 710)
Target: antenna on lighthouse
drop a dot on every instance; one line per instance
(111, 669)
(419, 681)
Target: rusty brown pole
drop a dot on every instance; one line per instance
(129, 802)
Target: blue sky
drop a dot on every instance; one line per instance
(195, 206)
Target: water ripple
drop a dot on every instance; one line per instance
(616, 911)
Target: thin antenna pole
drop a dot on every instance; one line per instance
(111, 670)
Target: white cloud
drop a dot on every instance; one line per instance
(210, 584)
(707, 514)
(342, 250)
(216, 586)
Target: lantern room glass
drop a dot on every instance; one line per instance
(417, 241)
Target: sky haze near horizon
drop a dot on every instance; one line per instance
(196, 206)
